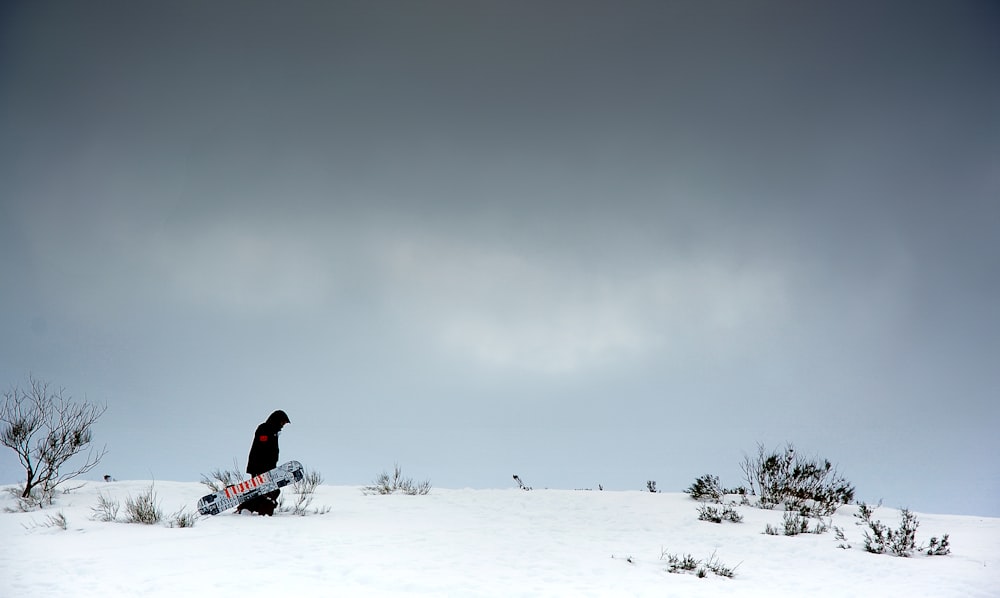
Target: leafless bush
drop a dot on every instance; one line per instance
(46, 430)
(700, 568)
(144, 508)
(706, 488)
(397, 484)
(218, 480)
(58, 521)
(35, 500)
(714, 515)
(182, 518)
(880, 538)
(304, 491)
(812, 487)
(106, 509)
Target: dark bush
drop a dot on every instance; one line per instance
(812, 487)
(706, 488)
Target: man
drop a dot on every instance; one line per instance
(263, 458)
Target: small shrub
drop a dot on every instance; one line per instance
(706, 488)
(58, 521)
(880, 538)
(811, 486)
(37, 498)
(838, 533)
(106, 509)
(821, 527)
(904, 540)
(701, 569)
(707, 513)
(679, 564)
(219, 479)
(794, 524)
(145, 508)
(717, 567)
(713, 514)
(182, 518)
(304, 490)
(397, 484)
(939, 548)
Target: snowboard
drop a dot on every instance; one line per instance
(258, 485)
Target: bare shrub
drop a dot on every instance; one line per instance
(218, 480)
(46, 430)
(396, 484)
(698, 567)
(106, 509)
(707, 513)
(57, 521)
(182, 518)
(144, 508)
(880, 538)
(716, 515)
(939, 547)
(706, 488)
(794, 524)
(814, 488)
(304, 491)
(838, 533)
(35, 500)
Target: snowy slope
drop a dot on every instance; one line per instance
(471, 543)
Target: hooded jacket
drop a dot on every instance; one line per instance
(264, 450)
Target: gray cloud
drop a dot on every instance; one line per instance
(553, 234)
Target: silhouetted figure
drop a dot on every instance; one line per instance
(263, 457)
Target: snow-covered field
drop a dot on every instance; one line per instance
(470, 543)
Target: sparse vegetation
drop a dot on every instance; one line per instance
(396, 483)
(57, 521)
(838, 533)
(793, 524)
(144, 508)
(45, 430)
(304, 491)
(700, 568)
(812, 487)
(106, 509)
(182, 518)
(939, 547)
(706, 488)
(880, 538)
(218, 480)
(714, 515)
(23, 504)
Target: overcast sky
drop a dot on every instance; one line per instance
(586, 243)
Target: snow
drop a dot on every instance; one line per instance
(463, 542)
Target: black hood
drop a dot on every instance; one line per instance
(278, 418)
